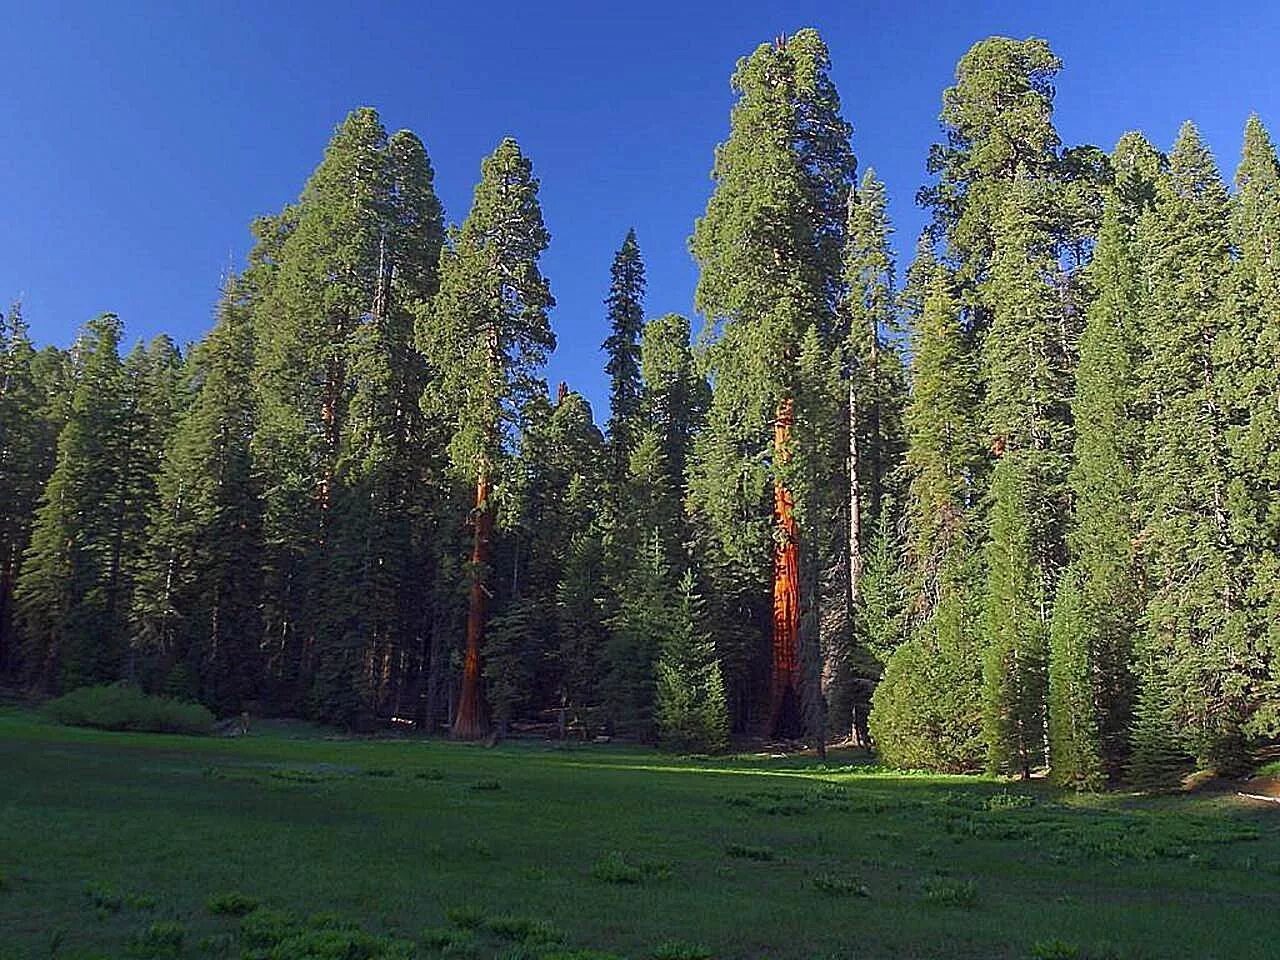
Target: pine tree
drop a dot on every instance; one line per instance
(488, 334)
(1099, 602)
(927, 709)
(24, 440)
(626, 323)
(876, 393)
(327, 276)
(1197, 633)
(769, 249)
(1026, 375)
(196, 606)
(66, 597)
(690, 701)
(1254, 440)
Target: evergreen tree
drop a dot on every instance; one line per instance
(24, 442)
(626, 323)
(67, 599)
(769, 250)
(1254, 439)
(1099, 602)
(1195, 652)
(927, 709)
(328, 275)
(875, 390)
(691, 710)
(487, 332)
(1026, 375)
(196, 607)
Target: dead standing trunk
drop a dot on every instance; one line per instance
(784, 686)
(470, 722)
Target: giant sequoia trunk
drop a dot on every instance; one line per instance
(784, 713)
(469, 723)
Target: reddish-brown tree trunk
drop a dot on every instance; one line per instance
(470, 723)
(783, 694)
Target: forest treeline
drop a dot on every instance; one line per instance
(1016, 506)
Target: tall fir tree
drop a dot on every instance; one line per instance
(622, 347)
(196, 606)
(487, 332)
(1254, 438)
(690, 700)
(24, 442)
(927, 709)
(1026, 376)
(1196, 643)
(1099, 603)
(66, 597)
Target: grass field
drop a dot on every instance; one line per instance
(112, 845)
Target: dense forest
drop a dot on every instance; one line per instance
(1014, 506)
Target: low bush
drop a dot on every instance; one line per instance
(231, 904)
(742, 851)
(122, 707)
(525, 930)
(678, 950)
(159, 940)
(950, 893)
(614, 867)
(466, 917)
(838, 885)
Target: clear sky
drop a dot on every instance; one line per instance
(138, 138)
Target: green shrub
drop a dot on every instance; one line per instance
(526, 930)
(217, 944)
(271, 935)
(486, 785)
(678, 950)
(438, 938)
(163, 938)
(1054, 950)
(428, 775)
(466, 917)
(950, 893)
(742, 851)
(838, 885)
(614, 867)
(122, 707)
(231, 904)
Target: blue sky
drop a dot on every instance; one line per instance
(138, 139)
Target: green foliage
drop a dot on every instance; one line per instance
(626, 323)
(233, 904)
(157, 941)
(123, 707)
(690, 701)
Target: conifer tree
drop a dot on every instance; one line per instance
(488, 334)
(327, 277)
(1197, 634)
(1026, 375)
(769, 250)
(65, 596)
(927, 709)
(1099, 602)
(691, 710)
(196, 608)
(24, 440)
(1254, 440)
(875, 390)
(626, 322)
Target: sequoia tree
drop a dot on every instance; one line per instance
(488, 335)
(769, 250)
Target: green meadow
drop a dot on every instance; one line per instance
(285, 845)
